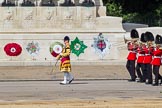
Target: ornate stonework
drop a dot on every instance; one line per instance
(55, 19)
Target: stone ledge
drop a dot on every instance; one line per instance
(51, 31)
(49, 63)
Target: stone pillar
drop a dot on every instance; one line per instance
(38, 2)
(101, 11)
(1, 1)
(20, 2)
(60, 2)
(16, 2)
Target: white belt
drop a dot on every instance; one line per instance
(157, 56)
(147, 54)
(132, 51)
(140, 54)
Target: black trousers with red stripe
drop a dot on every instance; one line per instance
(156, 73)
(131, 68)
(140, 71)
(148, 68)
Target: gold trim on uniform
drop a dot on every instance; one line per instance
(65, 66)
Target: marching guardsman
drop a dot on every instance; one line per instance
(65, 65)
(140, 58)
(148, 57)
(132, 46)
(156, 62)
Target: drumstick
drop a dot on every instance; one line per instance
(54, 66)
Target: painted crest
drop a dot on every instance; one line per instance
(33, 48)
(101, 45)
(56, 48)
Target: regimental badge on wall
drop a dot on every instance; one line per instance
(13, 49)
(101, 45)
(56, 48)
(33, 48)
(77, 46)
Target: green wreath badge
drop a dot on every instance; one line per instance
(77, 46)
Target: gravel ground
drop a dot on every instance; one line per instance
(79, 72)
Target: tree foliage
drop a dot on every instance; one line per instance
(136, 11)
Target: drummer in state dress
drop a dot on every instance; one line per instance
(65, 65)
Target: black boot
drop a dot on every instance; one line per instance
(148, 83)
(131, 80)
(155, 84)
(160, 81)
(141, 81)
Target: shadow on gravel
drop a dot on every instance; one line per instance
(79, 83)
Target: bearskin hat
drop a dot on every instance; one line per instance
(149, 36)
(158, 39)
(134, 34)
(143, 38)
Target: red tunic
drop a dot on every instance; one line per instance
(132, 53)
(148, 55)
(157, 57)
(140, 55)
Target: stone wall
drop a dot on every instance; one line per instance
(117, 51)
(46, 25)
